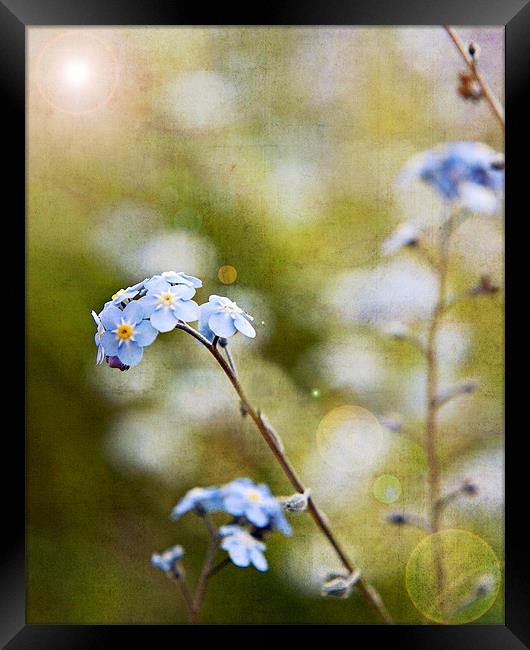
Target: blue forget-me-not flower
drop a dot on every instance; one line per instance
(468, 172)
(167, 303)
(242, 547)
(243, 498)
(127, 333)
(223, 317)
(167, 560)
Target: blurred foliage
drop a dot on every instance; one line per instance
(290, 179)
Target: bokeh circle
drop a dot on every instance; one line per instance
(471, 577)
(387, 488)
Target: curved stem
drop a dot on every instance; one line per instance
(369, 593)
(488, 94)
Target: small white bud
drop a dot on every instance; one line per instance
(296, 502)
(340, 586)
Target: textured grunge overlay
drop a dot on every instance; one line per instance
(294, 409)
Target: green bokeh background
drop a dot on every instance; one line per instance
(291, 181)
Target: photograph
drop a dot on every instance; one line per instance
(265, 325)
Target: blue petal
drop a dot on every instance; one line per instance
(133, 312)
(110, 317)
(96, 318)
(189, 279)
(109, 342)
(256, 515)
(222, 324)
(144, 333)
(163, 319)
(264, 490)
(207, 309)
(234, 504)
(186, 310)
(148, 304)
(244, 326)
(239, 555)
(229, 529)
(281, 524)
(205, 330)
(258, 559)
(130, 353)
(157, 284)
(183, 291)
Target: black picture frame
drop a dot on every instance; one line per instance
(15, 17)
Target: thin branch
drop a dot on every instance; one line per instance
(220, 565)
(202, 584)
(186, 594)
(371, 595)
(431, 427)
(488, 94)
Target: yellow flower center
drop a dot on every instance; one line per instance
(118, 293)
(167, 299)
(124, 332)
(254, 496)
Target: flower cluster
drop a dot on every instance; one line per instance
(241, 498)
(254, 512)
(132, 319)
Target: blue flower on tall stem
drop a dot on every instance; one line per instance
(242, 548)
(467, 172)
(223, 317)
(127, 333)
(243, 498)
(166, 304)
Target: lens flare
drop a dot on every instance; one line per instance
(76, 72)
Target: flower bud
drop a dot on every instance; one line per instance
(339, 586)
(469, 488)
(392, 422)
(398, 518)
(474, 50)
(296, 502)
(114, 362)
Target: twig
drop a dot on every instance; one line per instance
(494, 103)
(202, 583)
(371, 595)
(179, 579)
(220, 565)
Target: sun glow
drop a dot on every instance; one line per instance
(77, 73)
